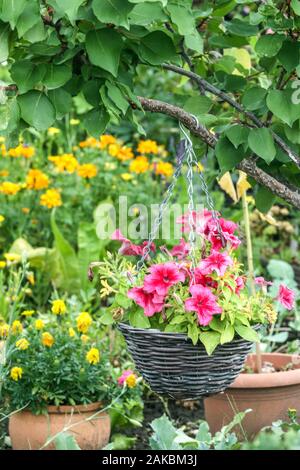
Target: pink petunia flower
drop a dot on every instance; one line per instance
(260, 281)
(124, 376)
(203, 302)
(200, 221)
(150, 302)
(217, 262)
(240, 284)
(286, 297)
(203, 279)
(227, 228)
(181, 250)
(162, 277)
(128, 248)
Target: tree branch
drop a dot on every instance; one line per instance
(247, 165)
(224, 97)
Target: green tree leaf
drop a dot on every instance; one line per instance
(295, 4)
(156, 48)
(70, 7)
(247, 333)
(27, 75)
(142, 12)
(227, 155)
(117, 97)
(11, 10)
(240, 27)
(194, 42)
(182, 17)
(261, 142)
(281, 105)
(113, 11)
(4, 36)
(269, 45)
(95, 121)
(29, 17)
(237, 135)
(36, 109)
(254, 98)
(210, 340)
(61, 100)
(56, 76)
(100, 54)
(289, 55)
(264, 199)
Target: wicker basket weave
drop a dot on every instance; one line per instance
(173, 366)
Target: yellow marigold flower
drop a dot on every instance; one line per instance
(126, 176)
(72, 332)
(22, 150)
(113, 149)
(164, 169)
(12, 257)
(124, 153)
(93, 356)
(74, 122)
(139, 165)
(2, 218)
(39, 324)
(131, 380)
(36, 179)
(47, 339)
(90, 142)
(10, 189)
(4, 330)
(84, 338)
(22, 344)
(16, 373)
(2, 264)
(66, 162)
(51, 198)
(16, 327)
(28, 313)
(58, 307)
(148, 146)
(87, 170)
(84, 321)
(106, 140)
(4, 173)
(53, 131)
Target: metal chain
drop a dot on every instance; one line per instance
(163, 205)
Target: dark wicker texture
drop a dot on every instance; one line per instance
(173, 366)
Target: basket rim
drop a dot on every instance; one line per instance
(155, 331)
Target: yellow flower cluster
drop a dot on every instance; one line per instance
(22, 150)
(58, 307)
(22, 344)
(37, 180)
(39, 324)
(121, 152)
(47, 339)
(163, 169)
(16, 373)
(131, 381)
(51, 198)
(84, 321)
(87, 170)
(4, 330)
(93, 356)
(10, 189)
(139, 165)
(148, 146)
(66, 162)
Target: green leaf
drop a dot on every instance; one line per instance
(247, 333)
(106, 318)
(227, 335)
(254, 98)
(295, 4)
(112, 11)
(194, 42)
(89, 249)
(164, 434)
(237, 135)
(227, 155)
(193, 332)
(289, 55)
(95, 121)
(210, 340)
(66, 441)
(156, 48)
(138, 320)
(164, 2)
(70, 7)
(198, 105)
(262, 144)
(269, 45)
(240, 27)
(264, 199)
(281, 105)
(11, 10)
(293, 134)
(26, 74)
(100, 54)
(61, 100)
(37, 110)
(182, 17)
(117, 97)
(279, 269)
(29, 18)
(56, 76)
(123, 301)
(4, 36)
(142, 12)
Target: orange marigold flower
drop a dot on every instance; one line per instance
(22, 150)
(87, 170)
(106, 140)
(51, 198)
(66, 162)
(148, 146)
(164, 169)
(113, 149)
(90, 142)
(36, 179)
(139, 165)
(4, 173)
(10, 189)
(125, 153)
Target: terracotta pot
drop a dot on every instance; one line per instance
(269, 395)
(30, 432)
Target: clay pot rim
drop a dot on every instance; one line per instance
(269, 380)
(75, 409)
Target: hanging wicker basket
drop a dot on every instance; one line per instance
(173, 366)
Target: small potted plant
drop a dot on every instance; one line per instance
(189, 324)
(57, 378)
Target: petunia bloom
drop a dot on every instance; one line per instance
(240, 284)
(128, 248)
(199, 221)
(162, 277)
(150, 302)
(203, 302)
(260, 281)
(217, 262)
(181, 250)
(286, 297)
(227, 228)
